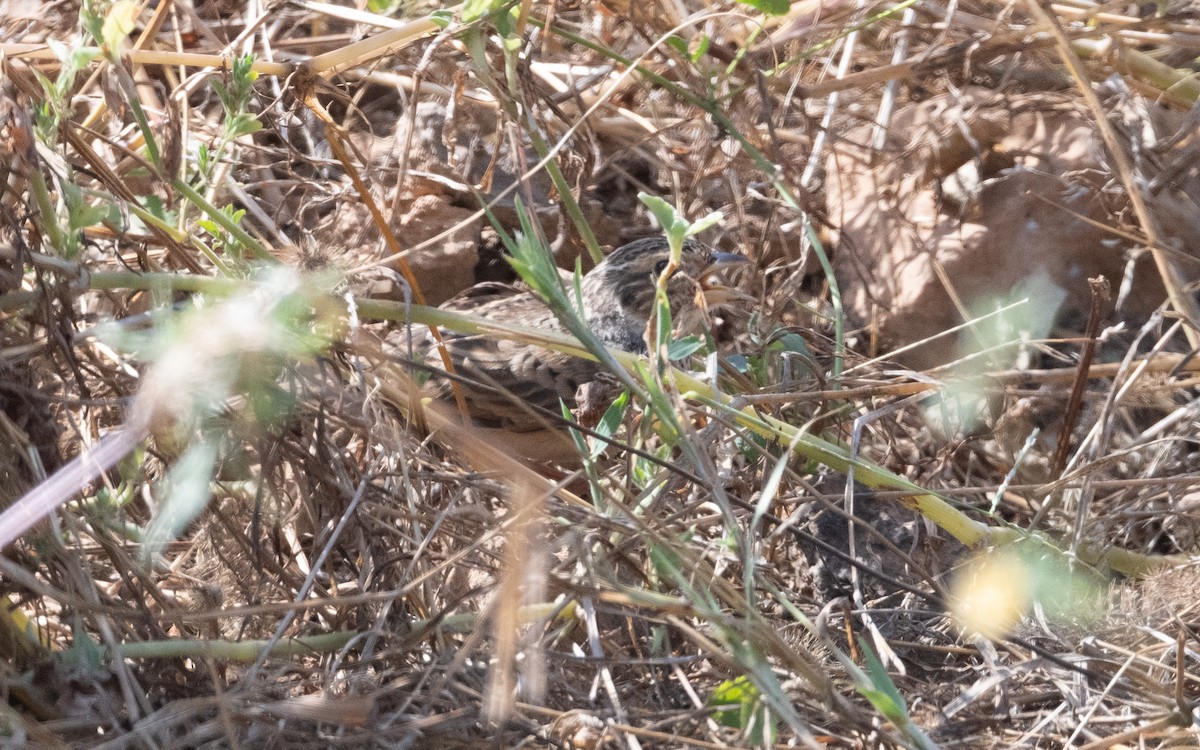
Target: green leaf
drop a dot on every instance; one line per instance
(131, 467)
(739, 362)
(577, 437)
(699, 225)
(84, 654)
(243, 124)
(752, 446)
(81, 58)
(506, 26)
(750, 713)
(608, 424)
(882, 694)
(63, 53)
(203, 158)
(475, 9)
(662, 320)
(684, 347)
(184, 494)
(701, 43)
(79, 213)
(120, 20)
(770, 7)
(442, 18)
(736, 693)
(270, 404)
(679, 44)
(156, 207)
(794, 342)
(73, 60)
(91, 21)
(666, 215)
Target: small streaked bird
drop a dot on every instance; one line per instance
(510, 386)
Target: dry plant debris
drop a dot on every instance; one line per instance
(212, 212)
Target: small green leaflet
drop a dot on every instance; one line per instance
(770, 7)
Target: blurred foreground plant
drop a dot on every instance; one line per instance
(217, 377)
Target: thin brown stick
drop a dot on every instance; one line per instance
(1100, 295)
(334, 135)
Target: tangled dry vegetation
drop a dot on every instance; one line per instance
(213, 213)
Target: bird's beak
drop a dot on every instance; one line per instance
(715, 293)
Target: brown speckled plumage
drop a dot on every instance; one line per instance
(618, 296)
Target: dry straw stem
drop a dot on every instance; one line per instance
(387, 42)
(324, 65)
(40, 52)
(1159, 364)
(1183, 86)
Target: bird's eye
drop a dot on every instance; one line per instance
(659, 267)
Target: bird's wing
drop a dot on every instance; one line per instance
(502, 379)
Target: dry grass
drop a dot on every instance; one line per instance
(352, 582)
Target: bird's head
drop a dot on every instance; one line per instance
(623, 285)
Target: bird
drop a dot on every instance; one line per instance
(515, 388)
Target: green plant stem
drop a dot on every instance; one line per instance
(1182, 84)
(475, 44)
(236, 651)
(128, 88)
(769, 170)
(112, 280)
(254, 246)
(962, 527)
(49, 222)
(570, 205)
(249, 651)
(151, 220)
